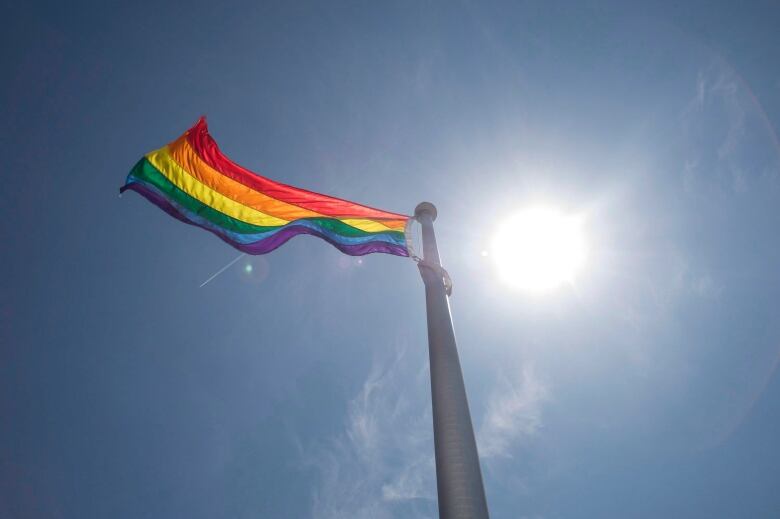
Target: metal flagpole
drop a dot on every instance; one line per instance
(458, 476)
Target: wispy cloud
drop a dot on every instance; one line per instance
(714, 122)
(514, 413)
(381, 464)
(727, 133)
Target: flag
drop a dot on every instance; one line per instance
(192, 180)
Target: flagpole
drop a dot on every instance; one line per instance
(458, 476)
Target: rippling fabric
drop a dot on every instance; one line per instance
(192, 180)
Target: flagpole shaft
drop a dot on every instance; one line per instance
(458, 476)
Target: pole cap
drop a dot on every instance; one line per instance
(423, 208)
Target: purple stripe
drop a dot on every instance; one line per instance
(266, 245)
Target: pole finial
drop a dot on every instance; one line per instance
(423, 208)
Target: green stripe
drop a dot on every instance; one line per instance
(146, 173)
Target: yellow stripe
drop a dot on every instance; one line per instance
(162, 160)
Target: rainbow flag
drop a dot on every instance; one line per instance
(192, 180)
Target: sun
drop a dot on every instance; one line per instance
(539, 249)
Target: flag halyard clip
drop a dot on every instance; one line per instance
(440, 271)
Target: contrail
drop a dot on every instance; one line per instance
(223, 269)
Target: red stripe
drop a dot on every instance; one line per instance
(205, 146)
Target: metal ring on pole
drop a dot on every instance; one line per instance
(441, 272)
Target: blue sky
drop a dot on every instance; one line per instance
(300, 389)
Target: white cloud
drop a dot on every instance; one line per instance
(513, 414)
(730, 143)
(381, 464)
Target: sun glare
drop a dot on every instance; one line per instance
(539, 249)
